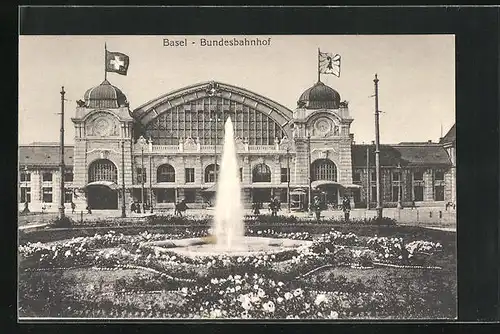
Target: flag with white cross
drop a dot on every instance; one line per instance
(117, 62)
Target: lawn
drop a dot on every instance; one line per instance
(352, 271)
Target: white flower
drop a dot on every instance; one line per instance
(307, 305)
(334, 315)
(184, 290)
(214, 281)
(280, 284)
(239, 259)
(261, 293)
(260, 281)
(246, 304)
(269, 307)
(237, 277)
(288, 295)
(279, 299)
(297, 292)
(255, 286)
(319, 299)
(237, 288)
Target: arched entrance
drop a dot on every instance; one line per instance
(102, 191)
(324, 180)
(102, 197)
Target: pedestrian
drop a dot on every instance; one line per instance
(26, 207)
(133, 207)
(89, 210)
(180, 208)
(73, 207)
(413, 206)
(272, 208)
(316, 207)
(256, 208)
(346, 207)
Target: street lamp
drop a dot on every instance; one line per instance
(150, 180)
(400, 187)
(309, 169)
(288, 176)
(142, 143)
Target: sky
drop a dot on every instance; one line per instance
(416, 77)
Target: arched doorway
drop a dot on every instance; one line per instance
(102, 191)
(324, 175)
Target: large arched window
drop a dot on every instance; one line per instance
(166, 173)
(261, 173)
(196, 119)
(210, 173)
(323, 169)
(103, 170)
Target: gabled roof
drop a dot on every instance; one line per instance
(44, 155)
(411, 155)
(450, 136)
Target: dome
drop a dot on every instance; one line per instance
(105, 96)
(319, 96)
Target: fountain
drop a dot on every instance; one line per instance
(228, 225)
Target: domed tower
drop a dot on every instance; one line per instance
(321, 130)
(102, 125)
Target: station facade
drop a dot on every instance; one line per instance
(169, 149)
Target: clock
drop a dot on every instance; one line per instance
(323, 126)
(102, 127)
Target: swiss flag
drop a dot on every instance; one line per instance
(117, 62)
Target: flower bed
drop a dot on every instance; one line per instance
(278, 285)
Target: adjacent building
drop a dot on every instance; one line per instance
(169, 149)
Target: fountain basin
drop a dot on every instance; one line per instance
(199, 247)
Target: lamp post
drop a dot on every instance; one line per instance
(61, 164)
(288, 177)
(309, 170)
(377, 151)
(142, 142)
(124, 214)
(400, 188)
(150, 180)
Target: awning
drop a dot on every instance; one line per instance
(352, 186)
(109, 184)
(211, 189)
(322, 183)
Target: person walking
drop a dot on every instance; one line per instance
(73, 207)
(346, 207)
(180, 208)
(256, 208)
(89, 209)
(26, 207)
(133, 207)
(316, 207)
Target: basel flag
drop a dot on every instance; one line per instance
(117, 62)
(329, 63)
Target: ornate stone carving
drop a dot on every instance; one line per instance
(102, 126)
(189, 144)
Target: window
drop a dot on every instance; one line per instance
(261, 195)
(165, 196)
(47, 176)
(419, 193)
(241, 174)
(373, 176)
(285, 174)
(356, 177)
(25, 195)
(47, 194)
(439, 175)
(395, 193)
(103, 170)
(189, 174)
(374, 194)
(25, 177)
(283, 196)
(261, 173)
(323, 169)
(166, 173)
(418, 176)
(141, 174)
(439, 193)
(68, 177)
(189, 195)
(396, 176)
(68, 196)
(210, 173)
(357, 195)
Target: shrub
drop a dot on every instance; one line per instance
(64, 222)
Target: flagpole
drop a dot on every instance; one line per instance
(105, 60)
(319, 78)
